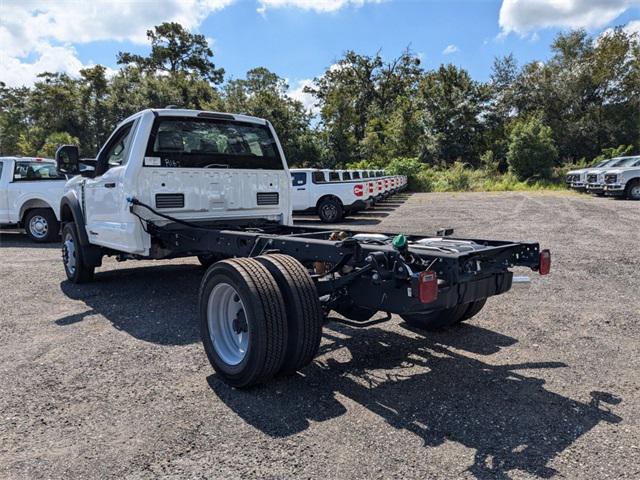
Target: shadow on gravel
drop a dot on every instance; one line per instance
(427, 387)
(155, 304)
(18, 239)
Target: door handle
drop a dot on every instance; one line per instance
(110, 185)
(301, 189)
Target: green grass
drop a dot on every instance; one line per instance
(459, 178)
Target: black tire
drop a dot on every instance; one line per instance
(632, 191)
(73, 256)
(330, 210)
(302, 305)
(437, 320)
(41, 225)
(473, 310)
(264, 316)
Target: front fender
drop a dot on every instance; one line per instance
(71, 211)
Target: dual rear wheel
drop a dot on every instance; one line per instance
(259, 318)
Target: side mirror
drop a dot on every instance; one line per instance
(68, 159)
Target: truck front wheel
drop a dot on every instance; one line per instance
(633, 190)
(330, 210)
(433, 321)
(41, 225)
(243, 321)
(73, 256)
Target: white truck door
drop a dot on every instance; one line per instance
(300, 191)
(5, 174)
(105, 198)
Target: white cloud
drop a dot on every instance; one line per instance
(315, 5)
(306, 99)
(43, 31)
(524, 16)
(633, 27)
(450, 49)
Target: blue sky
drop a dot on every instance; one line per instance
(298, 39)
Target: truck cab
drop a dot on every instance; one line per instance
(194, 166)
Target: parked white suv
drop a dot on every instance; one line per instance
(30, 193)
(624, 180)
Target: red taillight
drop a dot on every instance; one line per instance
(380, 184)
(545, 262)
(358, 190)
(428, 288)
(370, 187)
(386, 183)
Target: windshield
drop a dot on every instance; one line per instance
(29, 170)
(616, 162)
(629, 162)
(178, 142)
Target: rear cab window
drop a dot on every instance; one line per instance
(346, 176)
(200, 142)
(33, 170)
(334, 177)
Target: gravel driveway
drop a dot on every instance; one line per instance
(109, 379)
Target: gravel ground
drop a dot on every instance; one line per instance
(109, 380)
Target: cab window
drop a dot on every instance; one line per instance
(318, 177)
(31, 170)
(346, 176)
(334, 177)
(356, 175)
(298, 179)
(115, 153)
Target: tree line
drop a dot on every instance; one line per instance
(528, 119)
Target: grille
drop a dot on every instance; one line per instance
(611, 178)
(592, 178)
(271, 198)
(170, 200)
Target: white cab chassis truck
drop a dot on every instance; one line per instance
(30, 193)
(178, 183)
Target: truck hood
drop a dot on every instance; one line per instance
(577, 172)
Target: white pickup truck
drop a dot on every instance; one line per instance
(594, 177)
(30, 193)
(312, 192)
(179, 183)
(624, 180)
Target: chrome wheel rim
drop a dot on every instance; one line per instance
(38, 226)
(69, 254)
(228, 326)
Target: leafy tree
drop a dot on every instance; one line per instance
(174, 49)
(264, 94)
(532, 151)
(452, 105)
(53, 141)
(13, 117)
